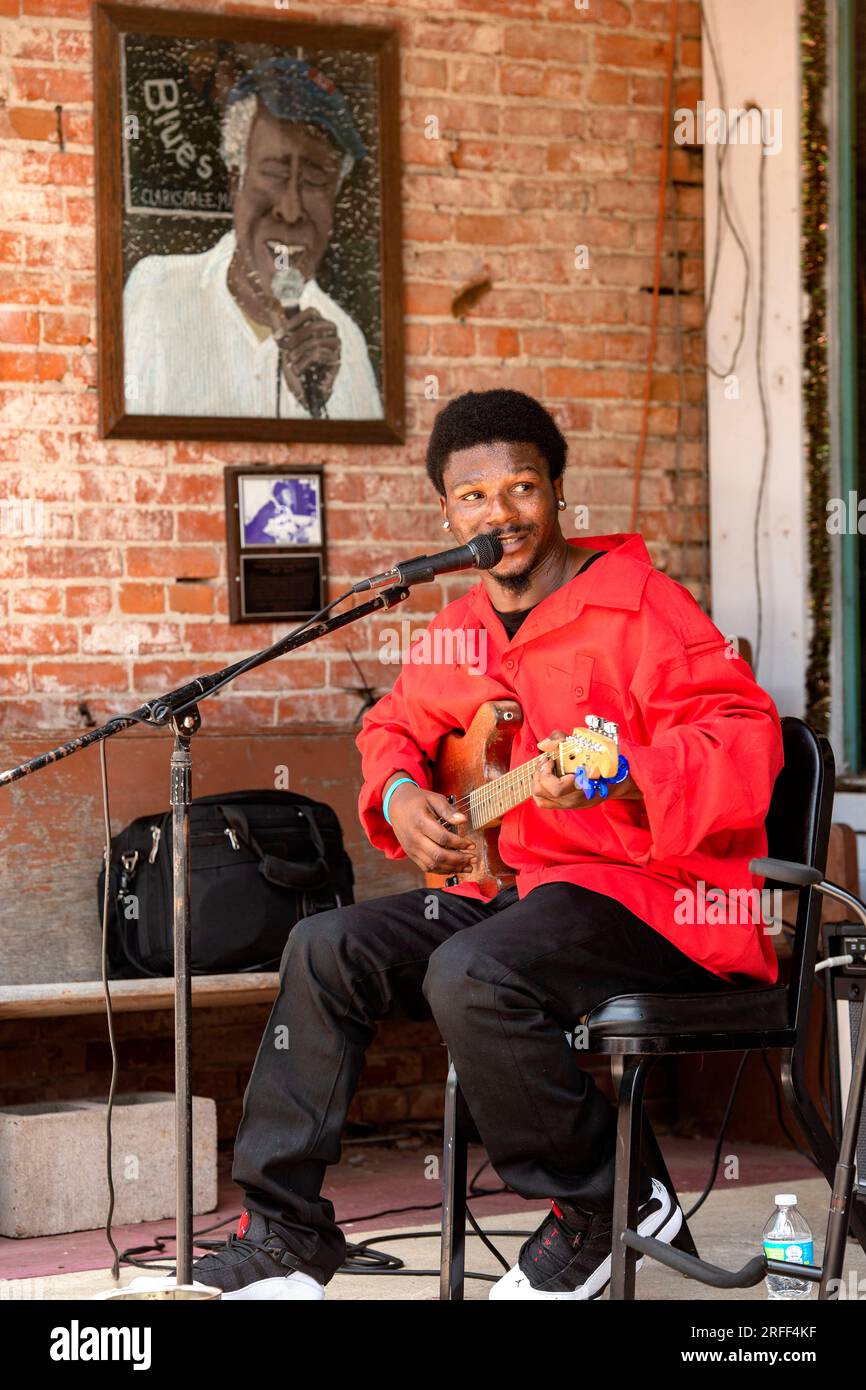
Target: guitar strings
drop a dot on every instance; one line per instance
(492, 799)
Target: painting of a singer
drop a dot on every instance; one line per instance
(204, 333)
(253, 239)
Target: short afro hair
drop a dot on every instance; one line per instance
(493, 417)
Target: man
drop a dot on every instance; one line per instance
(244, 329)
(573, 629)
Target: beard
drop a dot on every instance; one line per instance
(516, 583)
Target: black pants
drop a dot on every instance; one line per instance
(504, 981)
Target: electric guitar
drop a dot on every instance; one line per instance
(473, 771)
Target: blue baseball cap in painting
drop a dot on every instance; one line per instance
(293, 90)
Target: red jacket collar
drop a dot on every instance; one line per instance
(616, 581)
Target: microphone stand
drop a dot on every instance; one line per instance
(179, 711)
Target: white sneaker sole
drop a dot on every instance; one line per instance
(279, 1290)
(663, 1224)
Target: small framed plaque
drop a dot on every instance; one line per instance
(275, 523)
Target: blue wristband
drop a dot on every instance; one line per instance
(393, 787)
(590, 785)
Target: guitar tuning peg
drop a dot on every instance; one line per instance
(593, 721)
(610, 729)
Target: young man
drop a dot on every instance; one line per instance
(572, 629)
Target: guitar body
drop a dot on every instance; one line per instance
(464, 762)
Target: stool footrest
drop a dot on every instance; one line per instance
(694, 1268)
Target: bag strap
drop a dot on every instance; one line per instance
(284, 873)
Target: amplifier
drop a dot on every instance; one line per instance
(845, 991)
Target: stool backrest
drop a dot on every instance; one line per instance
(798, 829)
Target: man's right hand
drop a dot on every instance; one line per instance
(415, 819)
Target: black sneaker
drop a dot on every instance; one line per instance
(255, 1264)
(569, 1255)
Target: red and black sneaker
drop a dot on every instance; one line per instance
(255, 1263)
(569, 1255)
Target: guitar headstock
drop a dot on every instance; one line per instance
(596, 745)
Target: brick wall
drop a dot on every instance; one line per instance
(403, 1079)
(549, 122)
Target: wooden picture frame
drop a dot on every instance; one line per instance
(203, 208)
(276, 540)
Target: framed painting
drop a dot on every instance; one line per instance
(248, 228)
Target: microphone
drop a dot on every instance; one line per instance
(287, 285)
(482, 552)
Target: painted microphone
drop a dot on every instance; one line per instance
(287, 286)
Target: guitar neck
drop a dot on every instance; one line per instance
(489, 802)
(492, 799)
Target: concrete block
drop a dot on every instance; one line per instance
(52, 1163)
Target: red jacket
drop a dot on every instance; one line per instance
(702, 738)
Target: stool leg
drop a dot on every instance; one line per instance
(454, 1157)
(623, 1260)
(654, 1160)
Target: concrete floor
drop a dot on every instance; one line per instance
(727, 1230)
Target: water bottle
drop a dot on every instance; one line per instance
(787, 1237)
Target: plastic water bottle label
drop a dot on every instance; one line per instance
(790, 1251)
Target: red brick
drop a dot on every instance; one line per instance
(124, 524)
(79, 677)
(520, 80)
(201, 526)
(623, 51)
(64, 561)
(498, 342)
(539, 41)
(583, 382)
(73, 45)
(425, 72)
(86, 600)
(427, 299)
(172, 562)
(66, 329)
(423, 225)
(39, 600)
(28, 638)
(55, 85)
(129, 638)
(32, 123)
(32, 366)
(190, 598)
(179, 489)
(18, 326)
(59, 9)
(497, 231)
(452, 36)
(14, 679)
(28, 287)
(141, 598)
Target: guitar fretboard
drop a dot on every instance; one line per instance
(492, 799)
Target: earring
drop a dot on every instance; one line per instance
(561, 505)
(446, 525)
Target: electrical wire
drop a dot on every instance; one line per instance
(720, 1139)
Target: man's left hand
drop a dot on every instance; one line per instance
(553, 793)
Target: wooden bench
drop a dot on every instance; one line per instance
(53, 1000)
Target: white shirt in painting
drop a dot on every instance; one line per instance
(190, 350)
